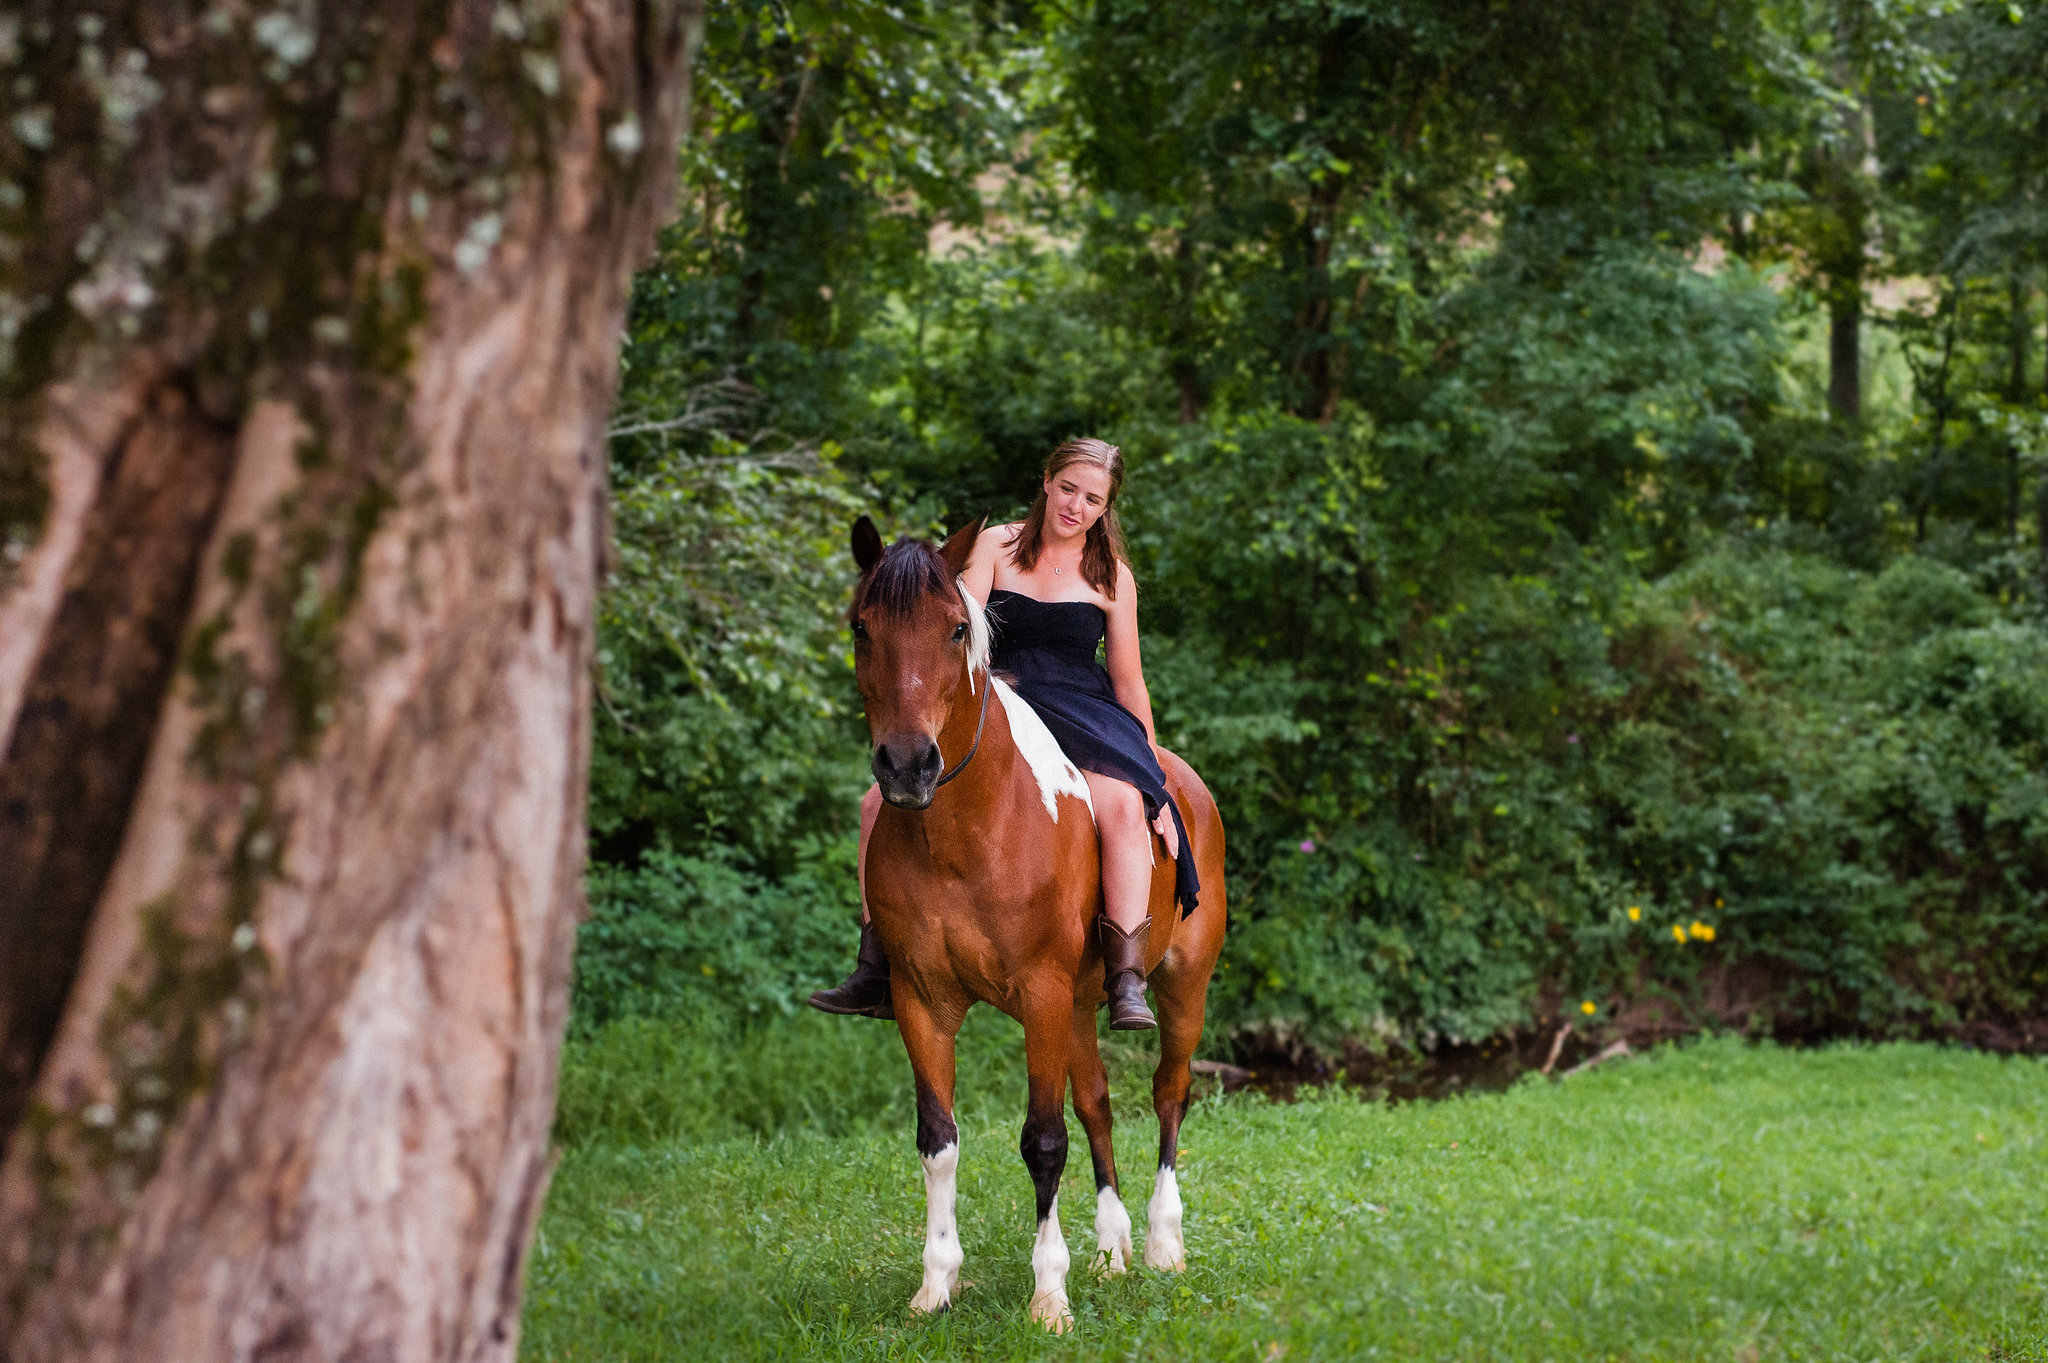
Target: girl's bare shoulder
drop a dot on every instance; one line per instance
(994, 542)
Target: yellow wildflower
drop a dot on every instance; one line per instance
(1718, 904)
(1587, 1008)
(1700, 931)
(1706, 932)
(1678, 934)
(1635, 913)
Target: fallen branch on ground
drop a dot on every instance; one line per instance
(1229, 1074)
(1614, 1052)
(1556, 1046)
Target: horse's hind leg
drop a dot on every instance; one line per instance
(1047, 1040)
(1091, 1104)
(1180, 1030)
(938, 1144)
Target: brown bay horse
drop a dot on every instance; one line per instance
(984, 883)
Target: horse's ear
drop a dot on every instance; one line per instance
(959, 546)
(867, 545)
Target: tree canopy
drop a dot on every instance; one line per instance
(1586, 485)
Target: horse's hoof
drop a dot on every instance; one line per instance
(934, 1297)
(1110, 1262)
(1166, 1256)
(1050, 1310)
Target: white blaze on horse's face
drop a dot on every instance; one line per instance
(942, 1253)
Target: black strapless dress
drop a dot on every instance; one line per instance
(1047, 648)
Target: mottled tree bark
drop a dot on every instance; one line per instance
(308, 330)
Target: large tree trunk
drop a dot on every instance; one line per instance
(308, 323)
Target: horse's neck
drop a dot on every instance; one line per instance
(987, 789)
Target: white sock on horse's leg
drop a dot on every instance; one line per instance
(1112, 1231)
(1049, 1263)
(1164, 1247)
(942, 1253)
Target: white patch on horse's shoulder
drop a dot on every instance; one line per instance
(1055, 774)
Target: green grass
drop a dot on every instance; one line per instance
(1715, 1201)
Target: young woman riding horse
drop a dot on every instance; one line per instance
(984, 868)
(1055, 585)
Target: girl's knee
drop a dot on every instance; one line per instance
(1118, 806)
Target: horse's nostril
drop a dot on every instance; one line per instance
(907, 764)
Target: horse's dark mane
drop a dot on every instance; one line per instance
(908, 572)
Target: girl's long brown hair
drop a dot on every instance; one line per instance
(1104, 547)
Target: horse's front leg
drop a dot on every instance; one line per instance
(938, 1144)
(1091, 1104)
(1047, 1022)
(1181, 999)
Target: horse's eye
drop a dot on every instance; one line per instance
(959, 633)
(860, 630)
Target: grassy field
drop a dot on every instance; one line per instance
(1715, 1201)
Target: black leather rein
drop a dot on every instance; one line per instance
(988, 684)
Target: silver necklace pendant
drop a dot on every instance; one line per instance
(1057, 571)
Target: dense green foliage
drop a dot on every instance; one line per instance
(1551, 627)
(1715, 1201)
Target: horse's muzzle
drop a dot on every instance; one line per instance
(907, 770)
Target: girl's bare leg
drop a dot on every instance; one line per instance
(1126, 849)
(866, 991)
(870, 809)
(1126, 844)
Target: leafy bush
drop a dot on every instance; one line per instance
(727, 761)
(1781, 792)
(727, 717)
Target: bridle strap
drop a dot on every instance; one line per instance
(988, 684)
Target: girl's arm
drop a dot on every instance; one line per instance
(1120, 643)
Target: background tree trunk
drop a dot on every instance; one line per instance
(308, 331)
(1845, 189)
(1845, 349)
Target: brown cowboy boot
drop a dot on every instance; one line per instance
(1123, 976)
(866, 991)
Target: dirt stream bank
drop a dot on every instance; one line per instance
(1552, 1046)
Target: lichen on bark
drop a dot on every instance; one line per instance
(374, 259)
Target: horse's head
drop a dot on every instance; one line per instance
(920, 650)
